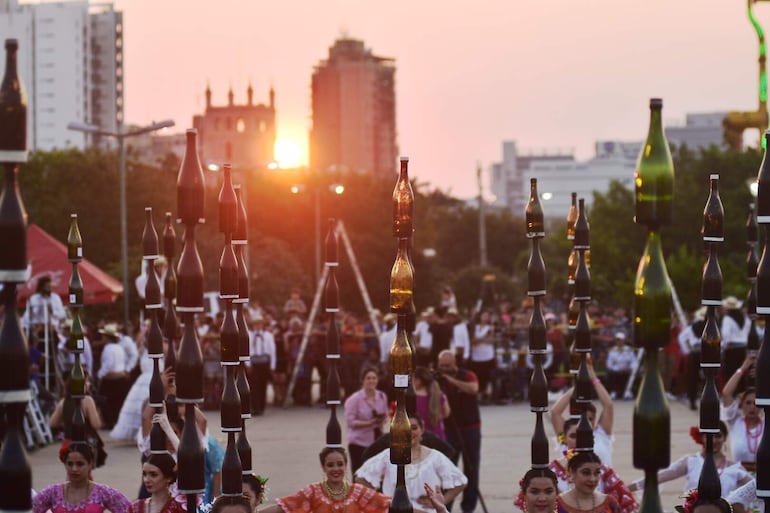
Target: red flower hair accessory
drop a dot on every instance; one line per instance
(689, 500)
(695, 435)
(64, 450)
(520, 501)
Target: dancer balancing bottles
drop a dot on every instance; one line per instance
(240, 240)
(230, 408)
(331, 306)
(709, 486)
(75, 343)
(654, 193)
(401, 294)
(763, 309)
(153, 304)
(15, 472)
(538, 385)
(189, 365)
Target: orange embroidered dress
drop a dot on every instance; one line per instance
(312, 498)
(609, 505)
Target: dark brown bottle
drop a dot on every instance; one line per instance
(332, 337)
(711, 285)
(585, 434)
(400, 502)
(763, 378)
(763, 277)
(400, 434)
(709, 485)
(752, 232)
(241, 234)
(763, 185)
(229, 337)
(536, 271)
(244, 392)
(537, 341)
(170, 329)
(228, 272)
(709, 405)
(403, 203)
(14, 353)
(572, 218)
(230, 409)
(534, 212)
(77, 430)
(752, 262)
(763, 454)
(169, 251)
(582, 279)
(231, 469)
(582, 228)
(711, 339)
(190, 184)
(244, 451)
(332, 257)
(333, 429)
(189, 276)
(401, 281)
(243, 276)
(651, 420)
(157, 393)
(713, 229)
(583, 331)
(538, 386)
(149, 237)
(15, 472)
(154, 339)
(331, 292)
(152, 296)
(243, 333)
(539, 444)
(190, 455)
(74, 241)
(189, 365)
(228, 203)
(13, 108)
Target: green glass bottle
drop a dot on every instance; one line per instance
(652, 298)
(654, 176)
(652, 420)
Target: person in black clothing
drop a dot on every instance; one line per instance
(463, 426)
(442, 332)
(689, 342)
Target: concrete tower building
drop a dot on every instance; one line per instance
(354, 111)
(71, 63)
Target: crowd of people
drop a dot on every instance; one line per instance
(462, 362)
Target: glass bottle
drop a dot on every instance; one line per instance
(652, 298)
(228, 272)
(583, 331)
(539, 444)
(711, 286)
(231, 469)
(401, 280)
(763, 186)
(14, 353)
(169, 251)
(331, 247)
(75, 292)
(537, 329)
(536, 270)
(654, 176)
(76, 341)
(763, 277)
(190, 184)
(228, 203)
(711, 339)
(230, 410)
(13, 107)
(189, 275)
(538, 386)
(713, 229)
(763, 378)
(752, 233)
(74, 240)
(534, 212)
(403, 203)
(15, 471)
(401, 356)
(400, 502)
(241, 233)
(582, 228)
(152, 297)
(229, 337)
(582, 279)
(190, 455)
(572, 217)
(189, 365)
(154, 340)
(651, 420)
(244, 450)
(149, 237)
(400, 434)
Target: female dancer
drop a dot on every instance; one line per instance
(743, 417)
(585, 471)
(158, 473)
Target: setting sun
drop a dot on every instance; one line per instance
(288, 153)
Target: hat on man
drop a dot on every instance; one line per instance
(452, 311)
(620, 335)
(389, 317)
(111, 330)
(700, 313)
(732, 303)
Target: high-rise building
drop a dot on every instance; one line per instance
(239, 134)
(71, 63)
(354, 111)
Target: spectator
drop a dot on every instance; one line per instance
(461, 341)
(113, 375)
(44, 307)
(365, 413)
(295, 305)
(424, 338)
(260, 365)
(482, 360)
(464, 424)
(621, 360)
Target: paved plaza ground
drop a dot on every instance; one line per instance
(286, 442)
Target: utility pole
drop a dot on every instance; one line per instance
(482, 220)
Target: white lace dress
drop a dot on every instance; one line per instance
(130, 419)
(434, 468)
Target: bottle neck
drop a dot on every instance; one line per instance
(656, 121)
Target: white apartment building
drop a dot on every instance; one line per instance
(71, 65)
(559, 174)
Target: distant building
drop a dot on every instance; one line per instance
(71, 64)
(242, 135)
(354, 111)
(559, 174)
(700, 131)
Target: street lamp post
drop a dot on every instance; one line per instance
(120, 135)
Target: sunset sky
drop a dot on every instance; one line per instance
(548, 74)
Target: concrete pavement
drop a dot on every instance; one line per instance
(286, 443)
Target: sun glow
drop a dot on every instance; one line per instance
(288, 153)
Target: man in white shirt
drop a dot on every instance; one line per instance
(132, 352)
(461, 340)
(621, 360)
(113, 375)
(260, 365)
(424, 338)
(44, 307)
(387, 337)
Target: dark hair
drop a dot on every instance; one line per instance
(749, 390)
(568, 424)
(720, 503)
(82, 448)
(424, 374)
(230, 500)
(41, 282)
(419, 420)
(366, 370)
(581, 458)
(328, 450)
(723, 428)
(538, 472)
(165, 464)
(253, 483)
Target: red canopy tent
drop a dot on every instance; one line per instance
(49, 256)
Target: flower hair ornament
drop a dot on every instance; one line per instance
(695, 435)
(520, 502)
(560, 438)
(263, 481)
(691, 501)
(570, 454)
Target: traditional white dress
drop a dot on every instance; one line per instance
(434, 469)
(130, 418)
(743, 441)
(731, 476)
